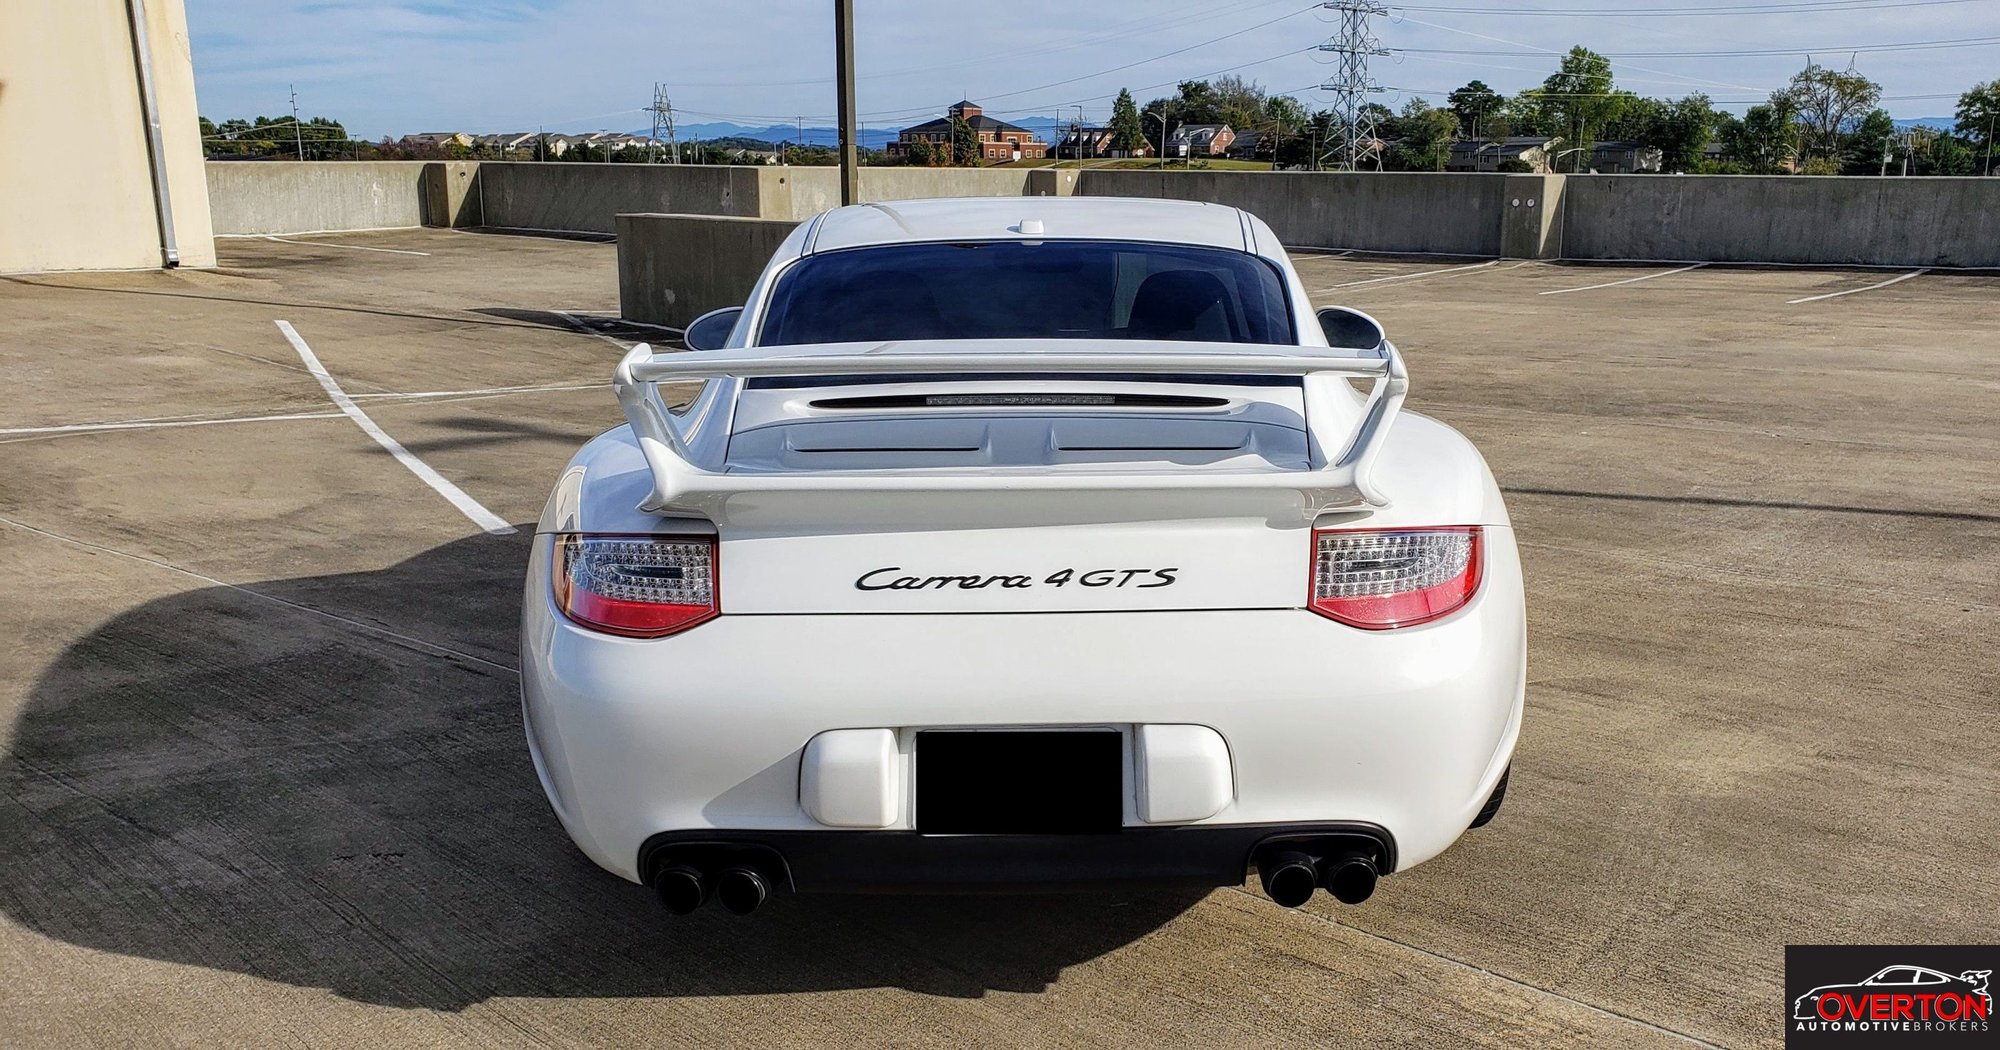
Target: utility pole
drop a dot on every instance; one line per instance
(843, 42)
(298, 137)
(1350, 84)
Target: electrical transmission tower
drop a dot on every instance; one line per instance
(1354, 139)
(663, 120)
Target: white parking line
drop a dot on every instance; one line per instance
(1865, 288)
(420, 394)
(354, 247)
(1410, 276)
(85, 428)
(466, 505)
(1628, 280)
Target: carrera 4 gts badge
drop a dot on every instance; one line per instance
(887, 579)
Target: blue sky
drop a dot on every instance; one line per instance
(390, 67)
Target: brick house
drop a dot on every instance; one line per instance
(1200, 140)
(998, 140)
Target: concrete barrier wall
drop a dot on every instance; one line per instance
(1784, 219)
(800, 193)
(1450, 214)
(314, 197)
(674, 268)
(1777, 219)
(589, 197)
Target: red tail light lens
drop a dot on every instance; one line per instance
(1377, 579)
(637, 586)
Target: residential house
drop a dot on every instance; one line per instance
(440, 139)
(1200, 140)
(1624, 158)
(1475, 155)
(1247, 144)
(513, 143)
(998, 140)
(1088, 141)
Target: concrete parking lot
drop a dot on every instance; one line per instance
(264, 780)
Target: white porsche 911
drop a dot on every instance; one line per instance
(1016, 543)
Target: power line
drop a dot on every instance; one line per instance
(1920, 45)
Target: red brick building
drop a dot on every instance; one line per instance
(998, 140)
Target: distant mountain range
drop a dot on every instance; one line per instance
(1939, 123)
(871, 137)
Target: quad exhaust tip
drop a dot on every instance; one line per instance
(1290, 877)
(681, 889)
(741, 890)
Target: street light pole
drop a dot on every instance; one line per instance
(843, 38)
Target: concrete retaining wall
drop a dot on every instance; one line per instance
(589, 197)
(674, 268)
(1784, 219)
(1776, 219)
(314, 197)
(1370, 211)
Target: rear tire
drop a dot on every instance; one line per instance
(1492, 806)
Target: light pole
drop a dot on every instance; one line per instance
(1161, 157)
(843, 40)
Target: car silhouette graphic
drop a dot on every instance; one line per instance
(1900, 980)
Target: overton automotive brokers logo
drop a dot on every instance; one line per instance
(1879, 995)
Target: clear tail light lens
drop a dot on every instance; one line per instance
(637, 586)
(1376, 579)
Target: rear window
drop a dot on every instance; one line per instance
(1029, 290)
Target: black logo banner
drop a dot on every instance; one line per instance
(1885, 995)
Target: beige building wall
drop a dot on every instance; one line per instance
(76, 180)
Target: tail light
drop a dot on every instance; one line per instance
(637, 586)
(1377, 579)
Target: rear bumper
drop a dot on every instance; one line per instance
(908, 862)
(705, 733)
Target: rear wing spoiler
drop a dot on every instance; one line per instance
(1341, 474)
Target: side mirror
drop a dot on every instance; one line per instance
(1346, 329)
(711, 330)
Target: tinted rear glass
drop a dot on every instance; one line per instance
(1029, 290)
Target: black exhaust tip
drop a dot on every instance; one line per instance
(741, 890)
(681, 889)
(1289, 878)
(1351, 879)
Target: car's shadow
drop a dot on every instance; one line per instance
(322, 781)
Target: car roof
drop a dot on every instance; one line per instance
(1016, 218)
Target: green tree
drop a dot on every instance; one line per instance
(1128, 132)
(1579, 100)
(1680, 129)
(1824, 101)
(1979, 120)
(1239, 103)
(1765, 141)
(965, 147)
(1423, 137)
(1945, 154)
(1475, 105)
(1284, 118)
(1867, 147)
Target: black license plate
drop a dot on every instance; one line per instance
(1020, 783)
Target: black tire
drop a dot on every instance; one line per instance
(1492, 807)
